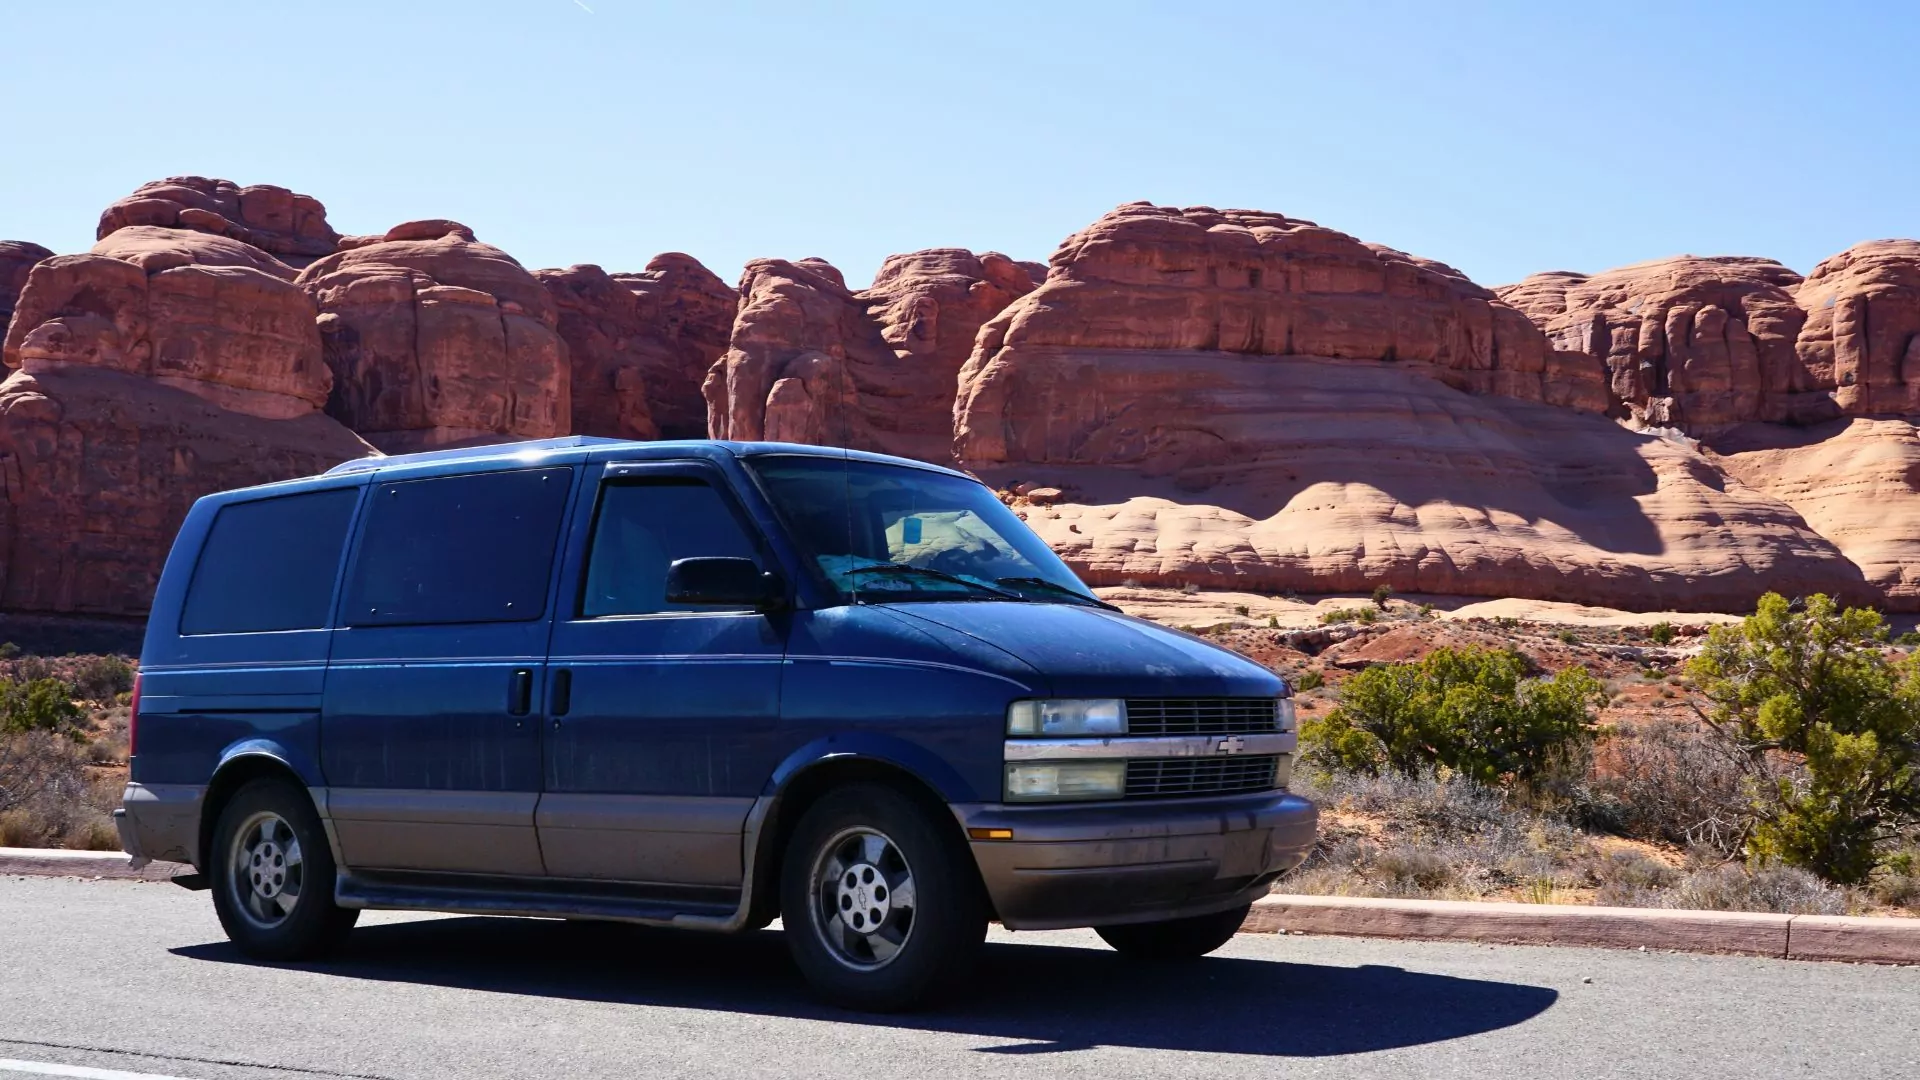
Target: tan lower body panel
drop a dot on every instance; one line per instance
(667, 839)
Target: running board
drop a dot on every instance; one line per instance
(460, 894)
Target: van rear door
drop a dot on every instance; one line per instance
(430, 734)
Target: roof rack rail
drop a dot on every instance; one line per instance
(472, 453)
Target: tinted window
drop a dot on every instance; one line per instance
(641, 529)
(269, 565)
(458, 549)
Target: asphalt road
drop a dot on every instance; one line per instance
(112, 980)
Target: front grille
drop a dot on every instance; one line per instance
(1199, 716)
(1149, 778)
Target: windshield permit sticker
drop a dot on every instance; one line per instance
(910, 530)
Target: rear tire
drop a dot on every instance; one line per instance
(881, 905)
(1175, 939)
(272, 875)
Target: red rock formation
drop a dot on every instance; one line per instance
(206, 314)
(811, 362)
(640, 344)
(16, 258)
(1238, 400)
(1690, 342)
(1338, 476)
(1862, 334)
(1855, 482)
(273, 219)
(436, 340)
(1247, 283)
(163, 366)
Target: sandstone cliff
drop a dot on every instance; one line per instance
(435, 339)
(810, 361)
(16, 258)
(640, 344)
(162, 366)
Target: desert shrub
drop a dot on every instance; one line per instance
(1309, 680)
(1897, 881)
(1240, 609)
(1449, 837)
(1367, 616)
(1414, 867)
(1909, 639)
(1381, 594)
(1426, 610)
(1787, 890)
(1473, 711)
(1273, 622)
(46, 797)
(1670, 781)
(1815, 685)
(1661, 633)
(41, 705)
(1568, 637)
(102, 678)
(8, 650)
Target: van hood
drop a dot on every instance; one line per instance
(1084, 651)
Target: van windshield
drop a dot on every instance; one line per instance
(891, 532)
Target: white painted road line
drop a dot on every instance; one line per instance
(48, 1068)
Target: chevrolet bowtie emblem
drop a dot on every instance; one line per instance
(1233, 745)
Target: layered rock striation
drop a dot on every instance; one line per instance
(435, 339)
(1862, 333)
(810, 361)
(284, 223)
(641, 344)
(1234, 399)
(1700, 344)
(16, 258)
(163, 365)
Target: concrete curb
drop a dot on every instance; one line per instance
(1791, 937)
(61, 862)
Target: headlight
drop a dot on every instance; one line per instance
(1089, 716)
(1283, 716)
(1062, 780)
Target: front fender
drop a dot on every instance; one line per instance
(903, 754)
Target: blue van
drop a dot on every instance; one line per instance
(692, 684)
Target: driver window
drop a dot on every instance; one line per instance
(640, 529)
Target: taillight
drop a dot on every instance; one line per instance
(133, 717)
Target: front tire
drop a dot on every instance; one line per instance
(272, 875)
(1175, 939)
(881, 906)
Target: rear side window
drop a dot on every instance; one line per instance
(642, 528)
(269, 565)
(458, 549)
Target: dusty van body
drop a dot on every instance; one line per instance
(699, 685)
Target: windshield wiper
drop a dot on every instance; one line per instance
(1055, 587)
(937, 575)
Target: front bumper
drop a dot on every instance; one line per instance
(1122, 862)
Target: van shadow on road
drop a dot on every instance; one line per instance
(1056, 998)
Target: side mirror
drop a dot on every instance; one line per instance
(723, 583)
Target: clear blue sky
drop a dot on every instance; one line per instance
(1503, 138)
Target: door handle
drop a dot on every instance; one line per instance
(562, 694)
(520, 693)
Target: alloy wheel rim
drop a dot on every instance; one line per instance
(267, 870)
(864, 898)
